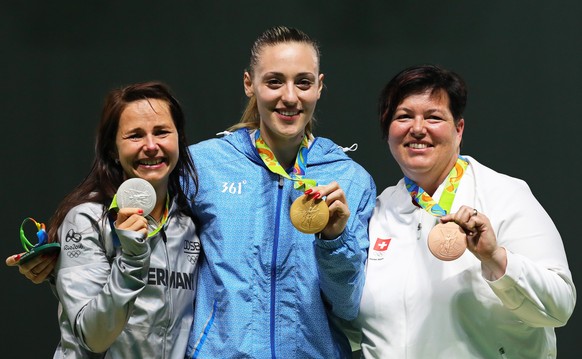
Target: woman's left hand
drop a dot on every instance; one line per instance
(481, 239)
(338, 208)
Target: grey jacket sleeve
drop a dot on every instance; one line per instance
(96, 294)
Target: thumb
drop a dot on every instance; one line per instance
(12, 261)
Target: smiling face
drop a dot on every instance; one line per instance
(424, 138)
(287, 85)
(147, 142)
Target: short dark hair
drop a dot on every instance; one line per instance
(418, 79)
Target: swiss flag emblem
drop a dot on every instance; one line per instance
(382, 244)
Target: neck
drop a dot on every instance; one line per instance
(284, 149)
(430, 186)
(286, 156)
(430, 182)
(160, 206)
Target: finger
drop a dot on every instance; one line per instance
(322, 191)
(12, 261)
(339, 210)
(135, 223)
(47, 267)
(43, 264)
(124, 222)
(337, 195)
(125, 213)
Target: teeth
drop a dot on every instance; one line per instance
(150, 162)
(418, 145)
(288, 113)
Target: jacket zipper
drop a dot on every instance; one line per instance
(168, 291)
(274, 263)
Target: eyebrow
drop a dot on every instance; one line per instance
(301, 74)
(431, 110)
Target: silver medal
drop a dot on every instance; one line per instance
(136, 193)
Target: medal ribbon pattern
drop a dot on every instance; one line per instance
(274, 166)
(425, 201)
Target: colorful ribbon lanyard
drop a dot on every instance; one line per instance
(299, 168)
(425, 201)
(115, 207)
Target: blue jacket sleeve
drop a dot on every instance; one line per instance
(341, 261)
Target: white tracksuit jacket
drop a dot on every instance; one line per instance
(416, 306)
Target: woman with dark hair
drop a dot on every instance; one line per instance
(426, 296)
(124, 281)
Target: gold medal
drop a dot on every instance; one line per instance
(447, 241)
(309, 215)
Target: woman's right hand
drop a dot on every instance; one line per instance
(132, 219)
(37, 269)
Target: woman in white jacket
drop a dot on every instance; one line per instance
(425, 295)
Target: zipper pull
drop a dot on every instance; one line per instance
(281, 181)
(419, 227)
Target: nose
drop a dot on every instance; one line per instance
(417, 129)
(150, 143)
(289, 94)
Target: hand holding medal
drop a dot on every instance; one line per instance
(136, 193)
(131, 194)
(310, 213)
(476, 230)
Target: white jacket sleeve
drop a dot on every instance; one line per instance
(537, 286)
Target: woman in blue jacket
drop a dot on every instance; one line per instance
(267, 290)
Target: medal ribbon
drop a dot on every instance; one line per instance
(299, 168)
(115, 207)
(425, 201)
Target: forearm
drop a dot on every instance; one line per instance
(341, 264)
(538, 295)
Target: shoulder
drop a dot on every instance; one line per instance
(331, 163)
(394, 194)
(490, 180)
(206, 145)
(89, 210)
(325, 151)
(228, 140)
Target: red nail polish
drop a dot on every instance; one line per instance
(317, 195)
(308, 191)
(140, 211)
(17, 257)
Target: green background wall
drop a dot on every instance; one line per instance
(521, 61)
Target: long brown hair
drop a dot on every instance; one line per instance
(105, 176)
(273, 36)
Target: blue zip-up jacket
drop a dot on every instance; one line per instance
(266, 290)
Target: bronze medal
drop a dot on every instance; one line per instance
(309, 215)
(447, 241)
